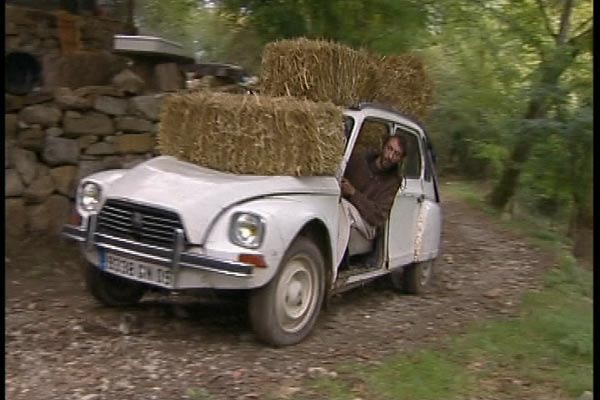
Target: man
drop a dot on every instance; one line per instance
(369, 188)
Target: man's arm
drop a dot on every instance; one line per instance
(374, 211)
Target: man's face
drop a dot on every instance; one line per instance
(392, 154)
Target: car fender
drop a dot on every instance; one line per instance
(428, 231)
(284, 217)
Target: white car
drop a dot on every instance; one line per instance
(172, 225)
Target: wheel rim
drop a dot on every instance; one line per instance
(296, 294)
(426, 268)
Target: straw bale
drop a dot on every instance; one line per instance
(316, 70)
(326, 71)
(249, 134)
(403, 84)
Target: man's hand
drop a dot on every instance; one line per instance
(347, 188)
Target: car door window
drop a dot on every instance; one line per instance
(412, 164)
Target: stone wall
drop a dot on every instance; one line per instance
(66, 135)
(35, 32)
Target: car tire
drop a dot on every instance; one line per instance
(112, 290)
(284, 311)
(414, 278)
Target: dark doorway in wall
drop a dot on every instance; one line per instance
(22, 73)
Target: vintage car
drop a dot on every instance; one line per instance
(170, 225)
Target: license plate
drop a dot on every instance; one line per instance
(136, 269)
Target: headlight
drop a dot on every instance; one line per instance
(89, 199)
(247, 230)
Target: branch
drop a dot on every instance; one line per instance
(542, 8)
(565, 20)
(576, 41)
(582, 25)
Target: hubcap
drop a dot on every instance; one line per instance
(296, 294)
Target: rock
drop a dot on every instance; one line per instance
(54, 131)
(93, 91)
(50, 216)
(135, 143)
(10, 126)
(91, 396)
(111, 105)
(65, 179)
(60, 151)
(39, 190)
(32, 139)
(88, 167)
(8, 157)
(101, 148)
(168, 77)
(87, 140)
(493, 293)
(128, 82)
(66, 99)
(13, 184)
(90, 123)
(133, 124)
(15, 217)
(148, 106)
(44, 115)
(26, 164)
(38, 96)
(317, 372)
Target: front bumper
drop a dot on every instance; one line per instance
(175, 258)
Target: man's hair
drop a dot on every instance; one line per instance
(401, 141)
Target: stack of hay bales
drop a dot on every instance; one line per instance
(253, 134)
(294, 127)
(320, 70)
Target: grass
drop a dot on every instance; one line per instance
(544, 352)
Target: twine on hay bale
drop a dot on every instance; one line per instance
(249, 134)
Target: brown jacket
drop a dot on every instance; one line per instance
(375, 191)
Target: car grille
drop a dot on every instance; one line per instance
(140, 223)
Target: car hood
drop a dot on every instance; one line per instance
(200, 194)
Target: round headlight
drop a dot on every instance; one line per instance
(247, 230)
(90, 196)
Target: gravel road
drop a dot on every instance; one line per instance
(61, 344)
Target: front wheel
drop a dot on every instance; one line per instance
(112, 290)
(284, 311)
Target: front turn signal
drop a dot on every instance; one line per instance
(253, 259)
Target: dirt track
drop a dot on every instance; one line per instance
(60, 344)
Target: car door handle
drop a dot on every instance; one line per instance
(420, 198)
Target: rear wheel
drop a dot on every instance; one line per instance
(414, 278)
(112, 290)
(284, 311)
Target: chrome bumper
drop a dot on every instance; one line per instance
(175, 258)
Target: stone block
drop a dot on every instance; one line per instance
(13, 184)
(39, 190)
(101, 149)
(16, 218)
(93, 123)
(135, 143)
(45, 115)
(61, 151)
(65, 179)
(54, 131)
(50, 216)
(128, 82)
(133, 124)
(86, 140)
(25, 163)
(111, 105)
(33, 138)
(148, 106)
(66, 99)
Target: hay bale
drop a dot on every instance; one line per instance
(403, 84)
(326, 71)
(316, 70)
(247, 134)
